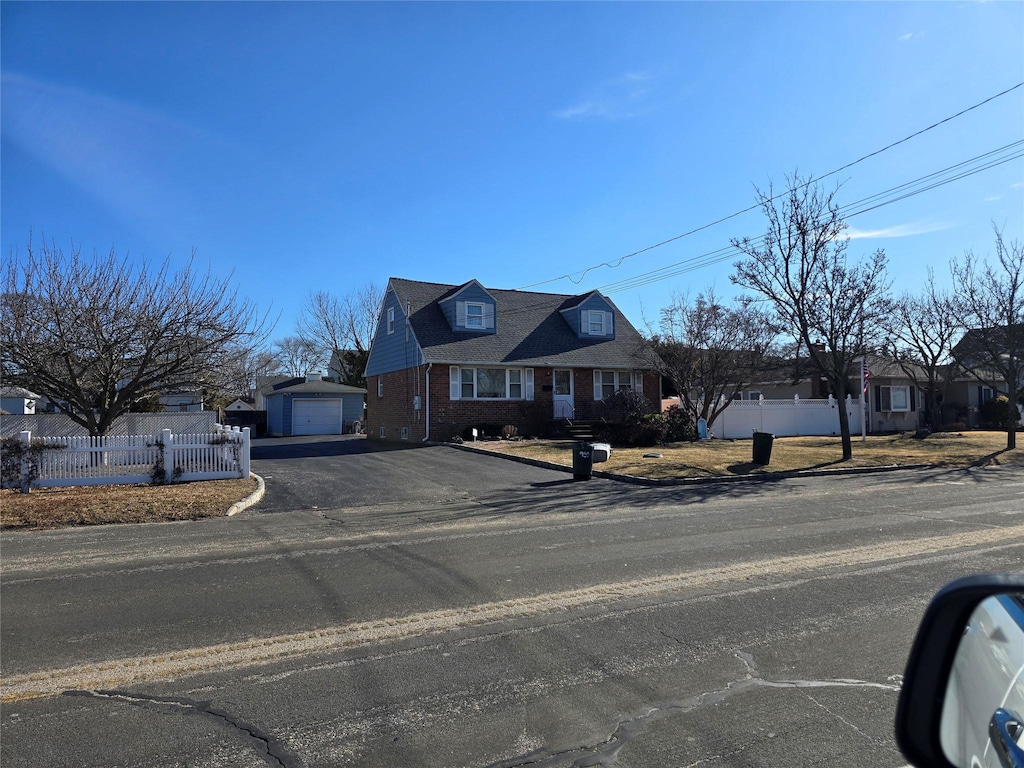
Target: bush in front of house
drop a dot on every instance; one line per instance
(624, 407)
(679, 427)
(996, 412)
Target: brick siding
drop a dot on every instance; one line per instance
(451, 418)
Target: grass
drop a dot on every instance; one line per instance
(717, 458)
(103, 504)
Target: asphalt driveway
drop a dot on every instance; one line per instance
(345, 472)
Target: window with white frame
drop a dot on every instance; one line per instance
(596, 323)
(753, 395)
(491, 383)
(607, 383)
(474, 315)
(894, 398)
(380, 386)
(391, 319)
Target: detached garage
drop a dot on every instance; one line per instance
(314, 408)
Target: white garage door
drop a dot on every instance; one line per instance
(316, 417)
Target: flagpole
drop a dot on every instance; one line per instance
(863, 400)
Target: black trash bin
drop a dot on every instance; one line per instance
(763, 447)
(582, 461)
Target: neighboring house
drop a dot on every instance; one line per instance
(973, 389)
(239, 405)
(182, 402)
(265, 384)
(344, 365)
(894, 402)
(311, 406)
(449, 357)
(18, 401)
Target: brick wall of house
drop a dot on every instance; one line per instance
(394, 411)
(450, 418)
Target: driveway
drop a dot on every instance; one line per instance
(345, 472)
(350, 480)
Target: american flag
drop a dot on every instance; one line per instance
(867, 375)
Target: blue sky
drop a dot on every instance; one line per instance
(327, 145)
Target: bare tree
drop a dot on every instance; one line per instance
(298, 356)
(989, 300)
(710, 351)
(921, 333)
(96, 335)
(801, 268)
(343, 326)
(245, 367)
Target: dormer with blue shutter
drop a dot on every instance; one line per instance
(470, 308)
(591, 316)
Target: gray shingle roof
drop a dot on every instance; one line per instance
(18, 392)
(317, 387)
(530, 331)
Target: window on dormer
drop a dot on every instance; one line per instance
(474, 315)
(596, 323)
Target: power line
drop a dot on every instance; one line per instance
(622, 259)
(923, 184)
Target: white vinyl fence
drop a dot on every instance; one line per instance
(49, 462)
(786, 418)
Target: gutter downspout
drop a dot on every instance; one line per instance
(426, 397)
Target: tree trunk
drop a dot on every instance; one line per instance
(1011, 419)
(844, 418)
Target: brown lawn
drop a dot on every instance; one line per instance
(101, 504)
(727, 457)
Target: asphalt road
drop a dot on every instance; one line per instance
(429, 607)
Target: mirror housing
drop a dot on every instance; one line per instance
(927, 675)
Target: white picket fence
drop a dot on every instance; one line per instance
(121, 459)
(786, 418)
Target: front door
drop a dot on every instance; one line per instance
(564, 407)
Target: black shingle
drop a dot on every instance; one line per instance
(530, 331)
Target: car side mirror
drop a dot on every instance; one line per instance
(962, 701)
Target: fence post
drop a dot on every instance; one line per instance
(168, 454)
(796, 406)
(245, 453)
(25, 477)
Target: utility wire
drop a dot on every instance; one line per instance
(847, 211)
(960, 170)
(812, 180)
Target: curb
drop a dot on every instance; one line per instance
(252, 498)
(650, 481)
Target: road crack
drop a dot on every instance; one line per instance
(605, 752)
(267, 747)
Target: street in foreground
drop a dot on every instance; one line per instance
(516, 619)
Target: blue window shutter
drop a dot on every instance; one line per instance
(913, 399)
(489, 311)
(609, 330)
(529, 384)
(460, 314)
(878, 398)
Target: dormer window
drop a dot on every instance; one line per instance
(391, 319)
(596, 323)
(474, 315)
